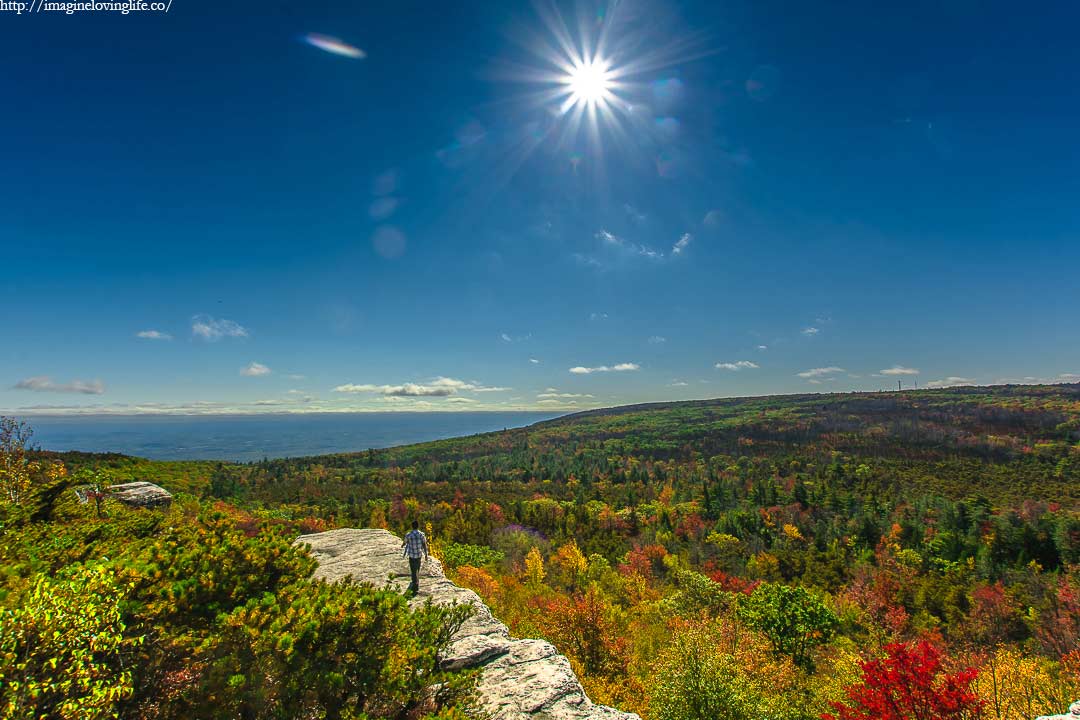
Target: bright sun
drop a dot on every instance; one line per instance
(589, 82)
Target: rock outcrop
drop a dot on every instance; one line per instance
(140, 494)
(1073, 714)
(519, 679)
(137, 494)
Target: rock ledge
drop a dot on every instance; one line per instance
(519, 679)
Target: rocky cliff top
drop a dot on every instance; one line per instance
(520, 679)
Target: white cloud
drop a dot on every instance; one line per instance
(900, 370)
(951, 381)
(598, 316)
(506, 338)
(657, 340)
(712, 218)
(678, 383)
(819, 372)
(681, 244)
(763, 348)
(439, 387)
(621, 367)
(610, 239)
(43, 383)
(404, 390)
(736, 366)
(557, 403)
(459, 400)
(255, 370)
(208, 328)
(1069, 377)
(810, 331)
(153, 335)
(534, 361)
(552, 393)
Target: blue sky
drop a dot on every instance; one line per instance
(203, 212)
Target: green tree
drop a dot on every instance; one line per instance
(794, 619)
(62, 650)
(333, 651)
(697, 680)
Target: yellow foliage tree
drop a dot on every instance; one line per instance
(534, 568)
(1019, 687)
(570, 563)
(16, 468)
(479, 580)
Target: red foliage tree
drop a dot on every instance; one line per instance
(908, 684)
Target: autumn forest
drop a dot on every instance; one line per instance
(863, 555)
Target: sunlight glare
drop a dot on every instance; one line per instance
(589, 82)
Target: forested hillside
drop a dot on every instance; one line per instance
(777, 557)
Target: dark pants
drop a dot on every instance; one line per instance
(414, 568)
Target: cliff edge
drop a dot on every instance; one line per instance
(520, 679)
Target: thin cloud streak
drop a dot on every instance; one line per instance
(43, 383)
(621, 367)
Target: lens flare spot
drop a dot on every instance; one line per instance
(389, 242)
(334, 46)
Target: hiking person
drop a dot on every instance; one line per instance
(414, 544)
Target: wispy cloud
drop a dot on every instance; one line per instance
(712, 218)
(678, 383)
(820, 372)
(657, 340)
(506, 338)
(439, 387)
(403, 390)
(621, 367)
(534, 361)
(951, 381)
(900, 370)
(554, 394)
(810, 331)
(598, 316)
(43, 383)
(763, 348)
(737, 365)
(209, 328)
(255, 370)
(609, 239)
(681, 244)
(153, 335)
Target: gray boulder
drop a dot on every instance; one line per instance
(1073, 714)
(519, 679)
(140, 494)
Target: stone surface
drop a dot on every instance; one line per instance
(1073, 714)
(519, 679)
(140, 494)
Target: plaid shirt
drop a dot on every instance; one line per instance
(415, 544)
